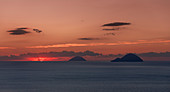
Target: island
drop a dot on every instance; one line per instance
(128, 58)
(77, 58)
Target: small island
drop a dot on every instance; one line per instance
(77, 58)
(128, 58)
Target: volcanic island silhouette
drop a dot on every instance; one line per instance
(77, 58)
(128, 58)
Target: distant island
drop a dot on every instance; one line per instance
(128, 58)
(77, 58)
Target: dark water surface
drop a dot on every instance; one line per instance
(151, 76)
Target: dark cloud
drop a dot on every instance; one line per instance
(89, 39)
(114, 27)
(18, 31)
(37, 30)
(22, 28)
(72, 53)
(22, 31)
(110, 29)
(49, 54)
(117, 24)
(154, 54)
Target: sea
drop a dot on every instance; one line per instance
(87, 76)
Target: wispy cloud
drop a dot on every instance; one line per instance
(109, 34)
(114, 29)
(102, 44)
(2, 48)
(89, 38)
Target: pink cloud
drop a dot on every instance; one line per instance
(2, 48)
(102, 44)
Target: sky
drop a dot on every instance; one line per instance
(78, 25)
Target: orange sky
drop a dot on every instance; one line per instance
(64, 21)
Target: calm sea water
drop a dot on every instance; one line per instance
(149, 76)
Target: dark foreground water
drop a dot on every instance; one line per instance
(84, 77)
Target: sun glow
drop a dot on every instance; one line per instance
(42, 59)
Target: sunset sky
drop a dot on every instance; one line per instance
(76, 25)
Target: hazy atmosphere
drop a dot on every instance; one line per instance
(84, 46)
(101, 26)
